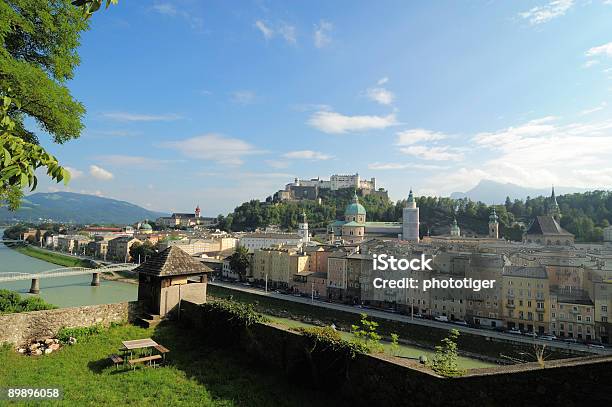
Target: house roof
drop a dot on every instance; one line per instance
(546, 225)
(354, 224)
(172, 262)
(526, 272)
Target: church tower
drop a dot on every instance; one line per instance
(303, 229)
(554, 209)
(455, 231)
(493, 225)
(197, 211)
(410, 220)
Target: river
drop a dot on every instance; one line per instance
(62, 291)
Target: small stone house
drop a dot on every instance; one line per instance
(169, 277)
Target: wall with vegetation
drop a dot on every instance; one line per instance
(383, 380)
(21, 327)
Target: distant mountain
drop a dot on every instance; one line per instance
(492, 192)
(77, 208)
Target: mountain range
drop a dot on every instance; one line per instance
(495, 193)
(77, 208)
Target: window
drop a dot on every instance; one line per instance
(579, 317)
(604, 308)
(604, 319)
(529, 304)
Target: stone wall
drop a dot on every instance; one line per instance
(391, 381)
(20, 327)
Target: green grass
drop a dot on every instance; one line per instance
(51, 257)
(197, 375)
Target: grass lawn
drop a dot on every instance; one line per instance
(51, 257)
(197, 375)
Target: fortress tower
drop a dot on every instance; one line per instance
(410, 220)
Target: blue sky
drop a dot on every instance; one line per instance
(214, 103)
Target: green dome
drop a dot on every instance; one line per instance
(355, 208)
(145, 226)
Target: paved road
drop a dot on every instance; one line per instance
(416, 321)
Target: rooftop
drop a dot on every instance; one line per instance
(172, 262)
(546, 225)
(525, 272)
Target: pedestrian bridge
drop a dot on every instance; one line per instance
(65, 272)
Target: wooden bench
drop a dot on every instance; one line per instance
(116, 359)
(149, 359)
(162, 350)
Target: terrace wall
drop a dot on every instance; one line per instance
(21, 327)
(391, 381)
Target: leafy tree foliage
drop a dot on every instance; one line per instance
(239, 261)
(11, 302)
(38, 54)
(142, 251)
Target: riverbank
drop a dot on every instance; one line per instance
(51, 257)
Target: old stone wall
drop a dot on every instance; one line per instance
(20, 327)
(384, 380)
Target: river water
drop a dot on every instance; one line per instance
(62, 291)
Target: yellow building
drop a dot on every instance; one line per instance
(525, 298)
(278, 265)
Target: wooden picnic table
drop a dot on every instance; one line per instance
(148, 343)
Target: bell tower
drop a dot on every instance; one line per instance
(493, 225)
(303, 229)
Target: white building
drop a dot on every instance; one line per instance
(410, 220)
(303, 229)
(259, 240)
(336, 182)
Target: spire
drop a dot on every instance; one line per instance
(304, 217)
(493, 218)
(355, 199)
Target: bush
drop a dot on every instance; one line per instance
(226, 322)
(365, 334)
(329, 356)
(12, 302)
(445, 360)
(80, 333)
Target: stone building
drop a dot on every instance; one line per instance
(525, 298)
(169, 277)
(574, 314)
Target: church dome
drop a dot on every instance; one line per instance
(354, 208)
(145, 226)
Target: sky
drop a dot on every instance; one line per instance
(214, 103)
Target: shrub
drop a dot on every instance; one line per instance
(365, 334)
(445, 360)
(80, 333)
(226, 322)
(12, 302)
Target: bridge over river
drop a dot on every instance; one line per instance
(65, 272)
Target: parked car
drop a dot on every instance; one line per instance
(595, 345)
(441, 318)
(548, 337)
(514, 331)
(417, 315)
(462, 323)
(570, 340)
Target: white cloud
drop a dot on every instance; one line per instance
(601, 106)
(590, 63)
(213, 147)
(544, 152)
(100, 173)
(267, 32)
(602, 50)
(545, 13)
(136, 117)
(165, 8)
(404, 166)
(414, 136)
(74, 173)
(243, 97)
(307, 155)
(438, 153)
(168, 9)
(322, 33)
(288, 33)
(131, 161)
(380, 95)
(277, 163)
(336, 123)
(382, 81)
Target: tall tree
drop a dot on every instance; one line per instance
(38, 55)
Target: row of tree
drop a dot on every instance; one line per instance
(583, 214)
